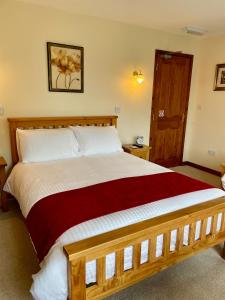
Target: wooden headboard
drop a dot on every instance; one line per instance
(53, 122)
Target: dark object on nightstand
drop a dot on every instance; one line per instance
(138, 146)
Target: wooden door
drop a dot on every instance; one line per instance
(172, 78)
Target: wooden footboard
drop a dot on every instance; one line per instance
(96, 248)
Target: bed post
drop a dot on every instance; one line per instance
(76, 279)
(4, 201)
(223, 253)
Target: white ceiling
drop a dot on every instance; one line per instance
(166, 15)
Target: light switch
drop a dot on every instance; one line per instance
(1, 110)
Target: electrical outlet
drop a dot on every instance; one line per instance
(211, 152)
(117, 109)
(1, 110)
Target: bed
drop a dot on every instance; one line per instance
(101, 256)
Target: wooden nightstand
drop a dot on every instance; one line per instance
(3, 164)
(140, 152)
(222, 169)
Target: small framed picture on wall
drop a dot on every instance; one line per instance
(219, 83)
(65, 68)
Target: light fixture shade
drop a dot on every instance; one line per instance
(138, 76)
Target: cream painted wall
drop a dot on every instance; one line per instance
(112, 51)
(207, 132)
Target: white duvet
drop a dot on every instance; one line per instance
(29, 183)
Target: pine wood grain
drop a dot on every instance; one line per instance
(136, 255)
(139, 152)
(101, 270)
(119, 263)
(133, 235)
(76, 272)
(222, 169)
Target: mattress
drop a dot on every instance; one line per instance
(29, 183)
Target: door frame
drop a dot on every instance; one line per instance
(179, 54)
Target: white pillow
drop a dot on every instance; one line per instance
(97, 140)
(39, 145)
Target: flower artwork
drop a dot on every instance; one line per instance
(219, 81)
(65, 68)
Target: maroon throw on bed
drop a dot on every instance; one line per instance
(53, 215)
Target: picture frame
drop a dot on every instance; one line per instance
(65, 68)
(219, 82)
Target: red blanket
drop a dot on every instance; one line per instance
(54, 214)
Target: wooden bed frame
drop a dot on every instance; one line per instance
(99, 246)
(222, 169)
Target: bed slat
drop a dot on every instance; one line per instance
(119, 263)
(203, 230)
(136, 255)
(166, 243)
(152, 249)
(223, 222)
(191, 238)
(180, 236)
(214, 225)
(101, 270)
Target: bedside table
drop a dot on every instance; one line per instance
(139, 152)
(3, 164)
(222, 169)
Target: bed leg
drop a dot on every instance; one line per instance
(4, 201)
(223, 251)
(76, 276)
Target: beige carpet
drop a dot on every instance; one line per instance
(201, 277)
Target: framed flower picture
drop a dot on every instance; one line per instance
(219, 84)
(65, 68)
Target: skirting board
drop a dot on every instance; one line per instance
(202, 168)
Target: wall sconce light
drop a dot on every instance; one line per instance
(139, 77)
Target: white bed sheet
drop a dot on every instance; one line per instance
(31, 182)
